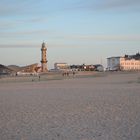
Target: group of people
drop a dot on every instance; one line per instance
(67, 73)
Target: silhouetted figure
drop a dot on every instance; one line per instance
(67, 73)
(73, 73)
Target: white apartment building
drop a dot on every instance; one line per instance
(126, 63)
(113, 63)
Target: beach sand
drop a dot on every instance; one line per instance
(105, 107)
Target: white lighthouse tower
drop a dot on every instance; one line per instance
(44, 58)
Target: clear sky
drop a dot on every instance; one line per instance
(76, 31)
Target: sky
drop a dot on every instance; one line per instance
(75, 31)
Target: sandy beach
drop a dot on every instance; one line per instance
(101, 107)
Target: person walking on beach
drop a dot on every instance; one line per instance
(73, 73)
(67, 73)
(39, 78)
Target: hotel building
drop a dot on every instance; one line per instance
(126, 63)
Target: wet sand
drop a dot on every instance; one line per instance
(90, 108)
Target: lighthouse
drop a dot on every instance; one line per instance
(44, 58)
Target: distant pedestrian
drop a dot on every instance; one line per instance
(67, 73)
(39, 78)
(73, 73)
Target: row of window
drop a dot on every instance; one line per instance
(130, 63)
(131, 68)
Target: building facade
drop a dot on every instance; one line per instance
(61, 66)
(126, 63)
(130, 63)
(113, 63)
(44, 58)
